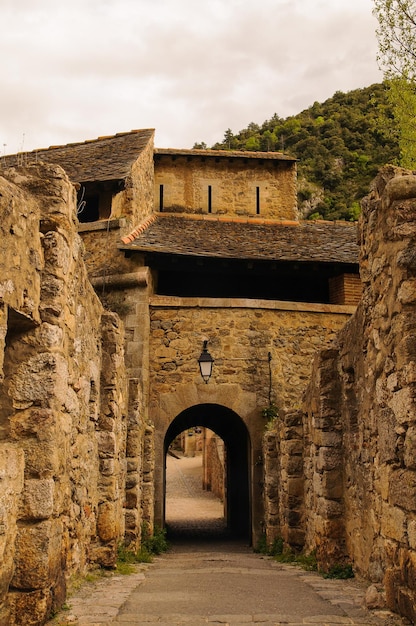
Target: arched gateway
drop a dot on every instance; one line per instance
(233, 415)
(232, 430)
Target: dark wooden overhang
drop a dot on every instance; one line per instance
(246, 239)
(242, 258)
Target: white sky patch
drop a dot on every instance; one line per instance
(73, 70)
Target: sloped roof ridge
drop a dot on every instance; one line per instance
(101, 159)
(139, 229)
(96, 140)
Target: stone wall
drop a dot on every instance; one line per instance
(241, 333)
(266, 188)
(360, 426)
(284, 481)
(62, 402)
(214, 464)
(130, 207)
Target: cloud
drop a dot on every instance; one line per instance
(73, 71)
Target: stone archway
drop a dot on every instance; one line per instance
(234, 415)
(232, 430)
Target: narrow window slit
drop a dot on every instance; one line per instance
(160, 197)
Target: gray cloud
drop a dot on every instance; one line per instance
(75, 70)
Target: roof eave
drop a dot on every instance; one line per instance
(206, 254)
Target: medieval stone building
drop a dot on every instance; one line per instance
(181, 247)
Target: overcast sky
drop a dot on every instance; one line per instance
(72, 70)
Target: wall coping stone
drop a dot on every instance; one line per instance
(244, 303)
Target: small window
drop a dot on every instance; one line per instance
(160, 198)
(94, 203)
(88, 209)
(209, 199)
(257, 200)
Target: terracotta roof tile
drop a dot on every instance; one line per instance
(105, 158)
(244, 239)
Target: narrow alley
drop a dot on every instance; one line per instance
(207, 578)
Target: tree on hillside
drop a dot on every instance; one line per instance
(396, 36)
(340, 144)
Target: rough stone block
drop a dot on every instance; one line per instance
(402, 489)
(107, 523)
(410, 448)
(406, 603)
(328, 458)
(38, 555)
(42, 458)
(295, 537)
(56, 252)
(107, 467)
(132, 499)
(30, 608)
(41, 380)
(387, 436)
(5, 617)
(327, 439)
(295, 465)
(295, 486)
(292, 447)
(411, 533)
(329, 509)
(105, 555)
(402, 405)
(107, 444)
(38, 499)
(408, 567)
(332, 485)
(131, 518)
(393, 523)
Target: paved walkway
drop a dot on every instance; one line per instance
(206, 578)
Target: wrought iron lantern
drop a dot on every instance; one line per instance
(205, 363)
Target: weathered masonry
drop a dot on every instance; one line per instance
(63, 395)
(103, 321)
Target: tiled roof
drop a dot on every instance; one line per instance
(105, 158)
(255, 239)
(225, 154)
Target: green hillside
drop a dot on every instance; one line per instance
(340, 145)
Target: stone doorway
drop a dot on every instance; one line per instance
(232, 430)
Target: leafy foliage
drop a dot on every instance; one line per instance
(270, 412)
(340, 145)
(396, 34)
(396, 37)
(152, 544)
(281, 554)
(340, 571)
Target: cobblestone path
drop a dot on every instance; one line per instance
(206, 578)
(191, 511)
